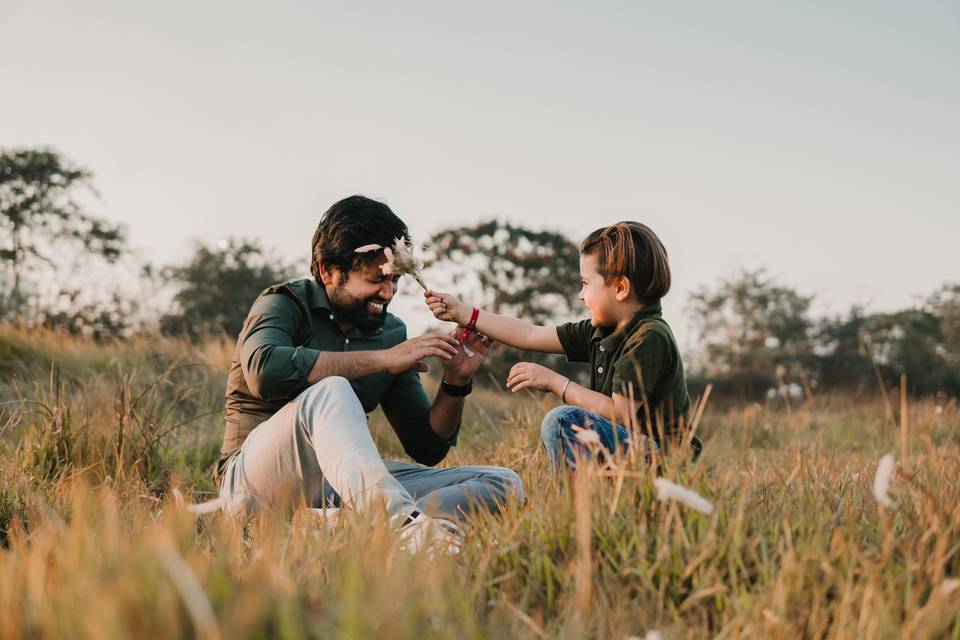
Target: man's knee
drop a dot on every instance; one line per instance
(336, 387)
(511, 483)
(332, 396)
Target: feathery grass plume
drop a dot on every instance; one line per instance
(667, 490)
(400, 261)
(881, 482)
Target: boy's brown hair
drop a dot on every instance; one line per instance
(633, 250)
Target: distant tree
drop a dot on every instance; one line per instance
(39, 214)
(944, 304)
(864, 350)
(110, 316)
(752, 331)
(216, 287)
(511, 269)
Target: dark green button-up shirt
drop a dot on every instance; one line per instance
(289, 326)
(643, 356)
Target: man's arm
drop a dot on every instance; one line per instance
(275, 366)
(446, 412)
(428, 430)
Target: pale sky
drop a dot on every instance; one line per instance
(819, 140)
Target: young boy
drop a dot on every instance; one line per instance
(632, 352)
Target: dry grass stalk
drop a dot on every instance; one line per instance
(904, 419)
(583, 523)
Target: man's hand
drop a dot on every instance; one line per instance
(527, 375)
(445, 307)
(410, 354)
(461, 368)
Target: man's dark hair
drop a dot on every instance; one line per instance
(349, 224)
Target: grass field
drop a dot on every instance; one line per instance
(95, 436)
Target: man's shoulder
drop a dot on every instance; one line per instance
(298, 288)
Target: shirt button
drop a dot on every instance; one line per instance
(331, 316)
(601, 347)
(347, 341)
(599, 369)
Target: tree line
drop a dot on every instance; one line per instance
(755, 336)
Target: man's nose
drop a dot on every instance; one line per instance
(387, 290)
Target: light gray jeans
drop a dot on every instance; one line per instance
(318, 448)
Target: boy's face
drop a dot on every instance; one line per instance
(362, 299)
(600, 298)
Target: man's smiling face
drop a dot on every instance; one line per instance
(360, 297)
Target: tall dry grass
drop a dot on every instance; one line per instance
(95, 436)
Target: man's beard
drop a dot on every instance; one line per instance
(356, 312)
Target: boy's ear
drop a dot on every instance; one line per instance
(622, 288)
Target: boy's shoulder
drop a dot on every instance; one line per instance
(651, 328)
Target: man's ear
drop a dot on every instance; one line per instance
(328, 274)
(623, 288)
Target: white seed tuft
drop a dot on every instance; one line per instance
(667, 490)
(589, 437)
(881, 482)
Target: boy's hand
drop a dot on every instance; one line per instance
(447, 308)
(527, 375)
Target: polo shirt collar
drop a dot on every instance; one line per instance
(610, 340)
(317, 295)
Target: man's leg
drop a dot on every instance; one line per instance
(454, 491)
(320, 435)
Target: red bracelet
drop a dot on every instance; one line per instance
(471, 326)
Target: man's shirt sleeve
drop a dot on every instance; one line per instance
(575, 340)
(274, 366)
(407, 408)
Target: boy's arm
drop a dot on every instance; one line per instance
(527, 375)
(512, 332)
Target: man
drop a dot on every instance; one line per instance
(314, 357)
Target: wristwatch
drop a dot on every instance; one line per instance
(456, 391)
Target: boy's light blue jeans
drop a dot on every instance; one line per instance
(559, 438)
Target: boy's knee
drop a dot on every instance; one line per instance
(555, 422)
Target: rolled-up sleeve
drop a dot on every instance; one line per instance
(407, 408)
(273, 367)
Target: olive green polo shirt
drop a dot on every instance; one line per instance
(289, 326)
(643, 355)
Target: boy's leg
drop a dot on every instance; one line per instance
(454, 491)
(320, 435)
(560, 441)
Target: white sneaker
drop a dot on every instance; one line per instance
(435, 535)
